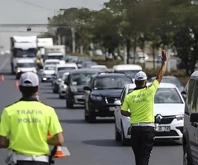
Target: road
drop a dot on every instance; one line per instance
(89, 144)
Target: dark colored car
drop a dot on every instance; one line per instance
(81, 60)
(101, 93)
(71, 59)
(75, 82)
(173, 80)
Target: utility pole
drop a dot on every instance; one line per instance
(73, 40)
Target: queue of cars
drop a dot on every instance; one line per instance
(102, 91)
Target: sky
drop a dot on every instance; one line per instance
(34, 12)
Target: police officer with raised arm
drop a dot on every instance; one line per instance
(26, 123)
(139, 106)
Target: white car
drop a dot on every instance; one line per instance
(63, 86)
(99, 67)
(47, 73)
(25, 65)
(168, 103)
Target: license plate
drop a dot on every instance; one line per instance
(112, 108)
(163, 129)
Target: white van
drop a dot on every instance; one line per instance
(130, 69)
(190, 130)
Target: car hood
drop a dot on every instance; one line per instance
(108, 92)
(169, 109)
(48, 72)
(79, 87)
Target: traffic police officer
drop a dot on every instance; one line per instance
(26, 123)
(140, 102)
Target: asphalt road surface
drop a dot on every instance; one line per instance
(89, 144)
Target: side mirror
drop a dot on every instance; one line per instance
(86, 88)
(117, 102)
(183, 92)
(194, 117)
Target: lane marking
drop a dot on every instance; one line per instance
(5, 62)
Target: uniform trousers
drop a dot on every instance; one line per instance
(31, 163)
(142, 142)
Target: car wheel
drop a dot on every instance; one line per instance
(91, 117)
(118, 136)
(186, 159)
(123, 139)
(69, 104)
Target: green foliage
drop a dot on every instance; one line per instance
(131, 23)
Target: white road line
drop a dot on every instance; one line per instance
(5, 62)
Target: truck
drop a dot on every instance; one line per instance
(42, 43)
(55, 52)
(22, 47)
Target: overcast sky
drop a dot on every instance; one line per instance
(35, 11)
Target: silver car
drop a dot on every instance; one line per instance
(63, 86)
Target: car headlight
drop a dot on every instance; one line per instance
(64, 86)
(180, 117)
(74, 89)
(18, 70)
(94, 97)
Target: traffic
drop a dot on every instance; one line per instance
(99, 90)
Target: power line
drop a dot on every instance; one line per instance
(35, 5)
(35, 25)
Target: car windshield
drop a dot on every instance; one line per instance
(55, 57)
(26, 65)
(111, 82)
(174, 81)
(30, 53)
(65, 68)
(60, 74)
(81, 78)
(167, 95)
(52, 63)
(132, 73)
(49, 68)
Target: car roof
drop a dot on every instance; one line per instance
(127, 67)
(89, 70)
(194, 74)
(111, 74)
(26, 60)
(162, 85)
